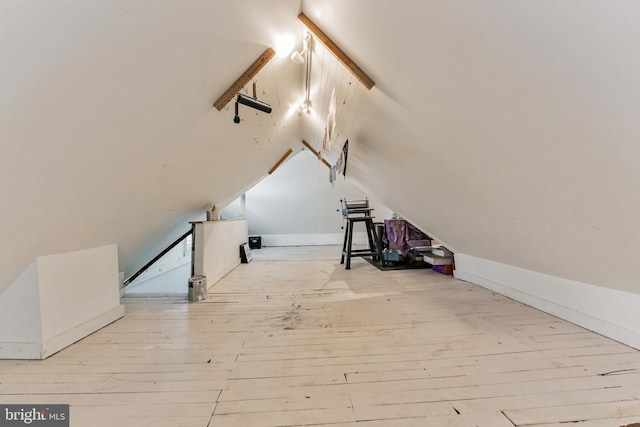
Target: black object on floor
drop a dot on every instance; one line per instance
(255, 242)
(374, 249)
(389, 266)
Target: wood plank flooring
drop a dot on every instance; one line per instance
(289, 342)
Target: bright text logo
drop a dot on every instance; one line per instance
(34, 415)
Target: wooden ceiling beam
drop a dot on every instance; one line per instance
(282, 159)
(337, 52)
(244, 78)
(317, 154)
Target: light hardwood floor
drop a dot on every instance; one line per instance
(298, 340)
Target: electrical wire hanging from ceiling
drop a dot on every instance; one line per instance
(299, 59)
(307, 47)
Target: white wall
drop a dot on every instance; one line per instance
(58, 300)
(234, 210)
(173, 281)
(168, 276)
(20, 324)
(128, 142)
(217, 247)
(507, 130)
(297, 205)
(610, 312)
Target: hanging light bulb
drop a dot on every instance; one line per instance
(306, 106)
(298, 58)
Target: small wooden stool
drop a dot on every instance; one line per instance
(374, 247)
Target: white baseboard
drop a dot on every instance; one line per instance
(37, 350)
(156, 295)
(359, 238)
(609, 312)
(20, 350)
(57, 343)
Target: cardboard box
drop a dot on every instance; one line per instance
(442, 251)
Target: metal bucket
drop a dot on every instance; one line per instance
(197, 288)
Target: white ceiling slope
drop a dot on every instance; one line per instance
(107, 129)
(507, 129)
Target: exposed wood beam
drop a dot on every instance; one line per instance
(317, 154)
(337, 52)
(282, 159)
(245, 78)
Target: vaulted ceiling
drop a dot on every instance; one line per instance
(506, 129)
